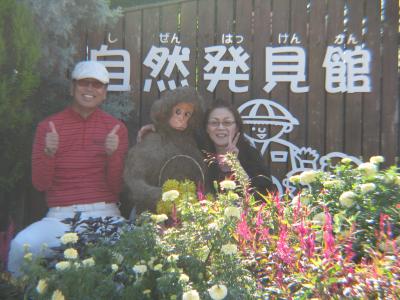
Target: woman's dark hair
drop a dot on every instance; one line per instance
(208, 144)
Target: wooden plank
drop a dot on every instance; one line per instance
(371, 101)
(334, 131)
(206, 37)
(298, 101)
(224, 26)
(96, 39)
(169, 25)
(114, 37)
(133, 44)
(150, 37)
(316, 53)
(353, 102)
(390, 109)
(280, 93)
(244, 11)
(81, 47)
(262, 38)
(188, 34)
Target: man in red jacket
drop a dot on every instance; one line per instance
(77, 160)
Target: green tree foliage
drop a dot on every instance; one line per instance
(19, 55)
(65, 23)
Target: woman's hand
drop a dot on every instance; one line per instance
(231, 147)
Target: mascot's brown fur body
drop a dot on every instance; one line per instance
(165, 154)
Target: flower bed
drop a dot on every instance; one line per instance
(337, 239)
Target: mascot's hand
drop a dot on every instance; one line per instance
(112, 140)
(143, 131)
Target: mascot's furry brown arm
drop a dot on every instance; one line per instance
(165, 154)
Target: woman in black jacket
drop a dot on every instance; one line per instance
(224, 126)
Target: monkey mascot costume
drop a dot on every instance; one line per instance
(170, 152)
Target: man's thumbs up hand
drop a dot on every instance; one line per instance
(112, 140)
(51, 141)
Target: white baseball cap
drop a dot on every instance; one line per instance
(91, 69)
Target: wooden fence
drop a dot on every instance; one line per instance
(359, 124)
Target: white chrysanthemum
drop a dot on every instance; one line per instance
(232, 211)
(70, 253)
(26, 247)
(377, 159)
(183, 278)
(227, 185)
(191, 295)
(332, 183)
(368, 168)
(319, 218)
(69, 237)
(41, 286)
(294, 179)
(28, 256)
(114, 267)
(367, 187)
(233, 196)
(158, 267)
(346, 160)
(229, 249)
(308, 177)
(88, 262)
(57, 295)
(170, 195)
(159, 218)
(346, 199)
(304, 200)
(173, 257)
(213, 226)
(62, 265)
(139, 269)
(218, 292)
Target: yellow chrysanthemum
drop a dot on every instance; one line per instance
(232, 211)
(229, 249)
(227, 185)
(308, 177)
(191, 295)
(70, 253)
(139, 269)
(377, 159)
(367, 187)
(41, 286)
(62, 265)
(88, 262)
(183, 278)
(57, 295)
(69, 237)
(346, 199)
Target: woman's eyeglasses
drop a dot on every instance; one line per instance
(86, 82)
(225, 123)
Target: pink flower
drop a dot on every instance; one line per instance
(329, 240)
(284, 251)
(243, 229)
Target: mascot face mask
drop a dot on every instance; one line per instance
(180, 116)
